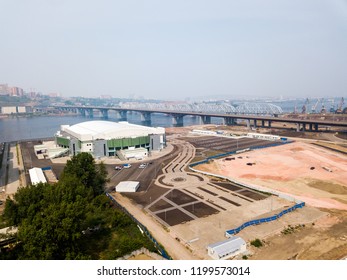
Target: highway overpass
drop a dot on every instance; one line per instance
(302, 124)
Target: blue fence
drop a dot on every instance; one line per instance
(257, 221)
(264, 220)
(145, 230)
(46, 168)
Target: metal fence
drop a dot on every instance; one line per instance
(299, 204)
(228, 233)
(143, 228)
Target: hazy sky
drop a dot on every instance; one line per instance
(175, 49)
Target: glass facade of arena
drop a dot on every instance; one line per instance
(63, 142)
(118, 144)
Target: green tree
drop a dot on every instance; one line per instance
(51, 218)
(69, 220)
(84, 168)
(25, 204)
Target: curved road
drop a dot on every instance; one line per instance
(175, 249)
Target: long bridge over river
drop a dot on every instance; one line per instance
(302, 124)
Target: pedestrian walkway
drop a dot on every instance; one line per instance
(4, 169)
(15, 170)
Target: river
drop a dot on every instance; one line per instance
(20, 128)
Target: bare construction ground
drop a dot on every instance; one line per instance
(196, 210)
(313, 174)
(309, 173)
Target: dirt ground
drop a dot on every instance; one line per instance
(309, 173)
(325, 239)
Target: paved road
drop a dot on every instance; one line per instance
(4, 168)
(13, 171)
(176, 162)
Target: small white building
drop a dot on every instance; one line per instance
(37, 176)
(138, 153)
(49, 150)
(203, 132)
(127, 186)
(226, 249)
(260, 136)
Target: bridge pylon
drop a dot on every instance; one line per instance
(177, 119)
(145, 117)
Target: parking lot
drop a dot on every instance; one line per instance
(30, 159)
(224, 144)
(133, 173)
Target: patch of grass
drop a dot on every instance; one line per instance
(17, 149)
(291, 229)
(210, 153)
(197, 158)
(257, 243)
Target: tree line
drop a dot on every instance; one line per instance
(72, 219)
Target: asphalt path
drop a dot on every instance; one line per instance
(4, 167)
(146, 176)
(134, 173)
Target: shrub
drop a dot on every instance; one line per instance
(257, 243)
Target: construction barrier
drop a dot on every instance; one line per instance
(46, 168)
(230, 232)
(143, 228)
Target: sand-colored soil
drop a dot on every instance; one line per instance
(141, 257)
(289, 169)
(325, 239)
(309, 173)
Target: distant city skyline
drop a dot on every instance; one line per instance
(174, 50)
(6, 89)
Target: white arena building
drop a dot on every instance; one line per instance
(106, 138)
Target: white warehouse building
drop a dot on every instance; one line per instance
(37, 176)
(226, 249)
(260, 136)
(127, 186)
(105, 138)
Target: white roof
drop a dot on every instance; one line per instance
(127, 186)
(227, 246)
(37, 176)
(7, 230)
(93, 130)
